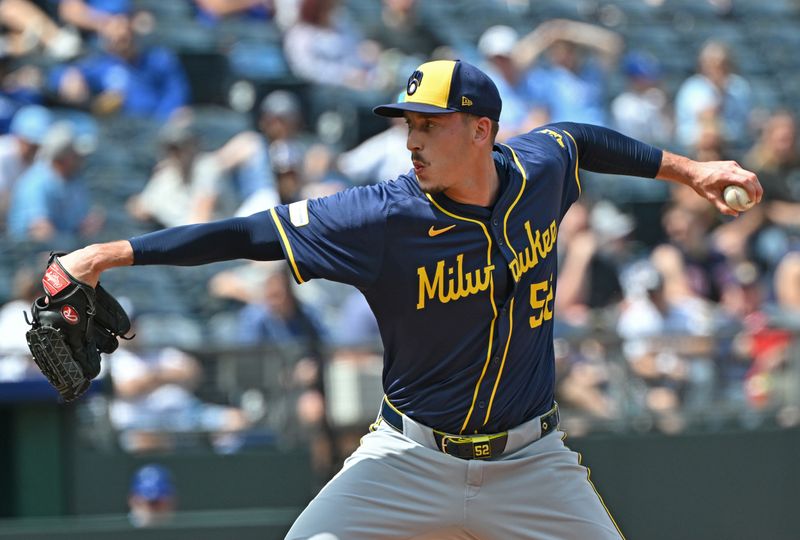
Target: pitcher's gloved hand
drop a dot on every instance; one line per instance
(72, 324)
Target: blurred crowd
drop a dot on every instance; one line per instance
(119, 117)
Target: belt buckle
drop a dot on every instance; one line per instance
(445, 440)
(481, 446)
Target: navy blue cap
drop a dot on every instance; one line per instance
(446, 86)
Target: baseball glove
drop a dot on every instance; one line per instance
(72, 324)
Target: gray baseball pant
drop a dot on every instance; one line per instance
(401, 486)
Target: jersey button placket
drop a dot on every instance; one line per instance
(497, 232)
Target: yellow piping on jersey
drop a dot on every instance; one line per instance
(491, 297)
(519, 195)
(286, 244)
(511, 308)
(577, 160)
(502, 362)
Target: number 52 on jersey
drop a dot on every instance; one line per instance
(541, 302)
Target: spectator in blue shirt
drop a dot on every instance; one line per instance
(357, 327)
(521, 112)
(278, 317)
(124, 77)
(568, 84)
(50, 198)
(18, 149)
(715, 94)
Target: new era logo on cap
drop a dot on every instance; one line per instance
(449, 86)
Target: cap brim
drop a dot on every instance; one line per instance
(396, 110)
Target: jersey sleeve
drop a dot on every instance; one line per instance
(339, 238)
(548, 143)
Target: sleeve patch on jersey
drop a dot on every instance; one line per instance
(556, 135)
(298, 213)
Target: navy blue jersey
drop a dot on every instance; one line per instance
(463, 294)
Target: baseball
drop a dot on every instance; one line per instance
(736, 197)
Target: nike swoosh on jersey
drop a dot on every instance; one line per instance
(433, 231)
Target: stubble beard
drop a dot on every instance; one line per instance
(429, 186)
(431, 189)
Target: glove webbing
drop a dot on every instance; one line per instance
(54, 358)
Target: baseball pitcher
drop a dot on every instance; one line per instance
(457, 259)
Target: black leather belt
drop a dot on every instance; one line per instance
(470, 446)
